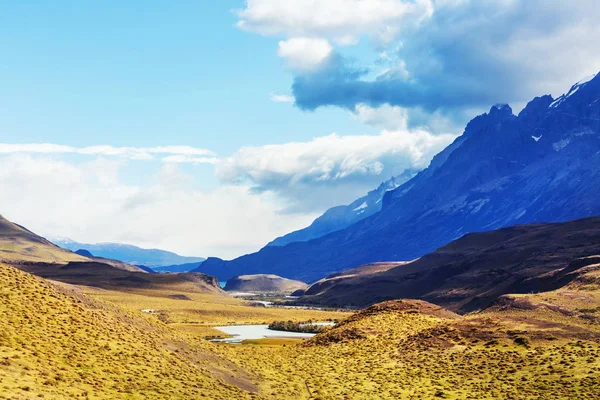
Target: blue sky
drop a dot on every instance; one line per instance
(143, 73)
(225, 124)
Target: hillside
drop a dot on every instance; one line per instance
(263, 283)
(474, 271)
(340, 217)
(17, 244)
(412, 349)
(57, 343)
(129, 254)
(540, 166)
(106, 276)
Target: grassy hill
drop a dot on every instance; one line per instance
(56, 343)
(415, 350)
(18, 245)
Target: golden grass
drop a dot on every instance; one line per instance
(539, 346)
(400, 355)
(57, 343)
(206, 309)
(19, 250)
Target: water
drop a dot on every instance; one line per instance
(243, 332)
(222, 284)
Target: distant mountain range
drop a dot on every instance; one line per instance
(540, 166)
(132, 254)
(340, 217)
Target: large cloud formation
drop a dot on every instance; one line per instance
(329, 170)
(442, 56)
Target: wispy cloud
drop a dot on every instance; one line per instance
(179, 154)
(282, 98)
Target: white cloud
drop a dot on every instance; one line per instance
(304, 54)
(193, 154)
(90, 203)
(342, 21)
(388, 117)
(330, 170)
(282, 98)
(186, 158)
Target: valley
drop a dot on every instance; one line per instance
(98, 335)
(476, 278)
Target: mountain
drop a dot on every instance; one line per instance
(471, 273)
(340, 217)
(263, 283)
(17, 244)
(177, 267)
(128, 253)
(540, 166)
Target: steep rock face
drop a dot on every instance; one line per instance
(540, 166)
(340, 217)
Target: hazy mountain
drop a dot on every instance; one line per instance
(129, 254)
(340, 217)
(177, 267)
(540, 166)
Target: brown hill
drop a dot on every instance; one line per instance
(108, 277)
(472, 272)
(263, 283)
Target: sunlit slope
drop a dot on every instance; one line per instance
(416, 350)
(18, 245)
(57, 343)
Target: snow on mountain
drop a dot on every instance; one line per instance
(340, 217)
(494, 175)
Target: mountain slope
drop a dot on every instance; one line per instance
(17, 244)
(58, 343)
(107, 276)
(540, 166)
(474, 271)
(340, 217)
(128, 253)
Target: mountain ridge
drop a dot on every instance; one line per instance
(540, 166)
(471, 273)
(340, 217)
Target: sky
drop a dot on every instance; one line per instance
(210, 128)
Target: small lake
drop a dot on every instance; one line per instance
(244, 332)
(222, 284)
